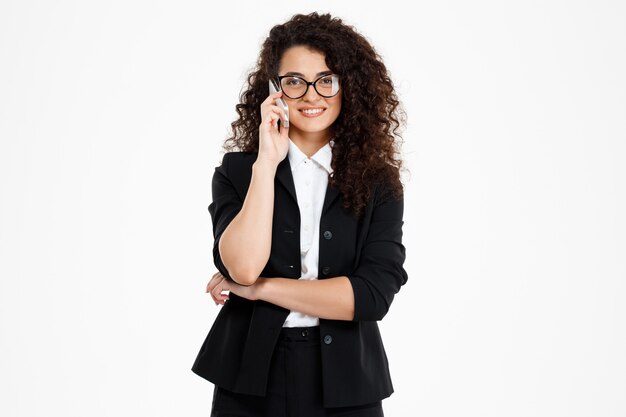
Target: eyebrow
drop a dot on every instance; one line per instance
(302, 75)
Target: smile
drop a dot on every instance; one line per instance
(312, 112)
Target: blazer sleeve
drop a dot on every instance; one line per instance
(223, 209)
(380, 272)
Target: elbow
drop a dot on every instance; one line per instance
(376, 313)
(380, 312)
(369, 303)
(239, 275)
(242, 271)
(243, 277)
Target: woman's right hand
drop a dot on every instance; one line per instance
(273, 145)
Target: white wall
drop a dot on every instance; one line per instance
(112, 114)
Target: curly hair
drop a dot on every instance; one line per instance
(365, 132)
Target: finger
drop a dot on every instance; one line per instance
(212, 285)
(275, 110)
(208, 285)
(222, 298)
(270, 99)
(272, 119)
(216, 292)
(215, 279)
(278, 109)
(215, 299)
(273, 116)
(270, 104)
(274, 96)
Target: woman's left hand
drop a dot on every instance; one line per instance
(220, 283)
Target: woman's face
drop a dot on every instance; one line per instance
(310, 65)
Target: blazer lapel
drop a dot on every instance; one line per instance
(283, 173)
(331, 195)
(285, 177)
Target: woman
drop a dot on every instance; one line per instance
(307, 221)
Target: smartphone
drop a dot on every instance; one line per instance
(274, 88)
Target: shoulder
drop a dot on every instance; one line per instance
(236, 162)
(389, 190)
(387, 203)
(239, 158)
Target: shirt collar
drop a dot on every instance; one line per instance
(323, 156)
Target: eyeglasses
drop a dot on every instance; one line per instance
(295, 87)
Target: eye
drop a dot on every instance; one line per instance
(293, 81)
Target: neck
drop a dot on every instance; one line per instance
(310, 142)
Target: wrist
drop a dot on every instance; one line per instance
(264, 166)
(261, 288)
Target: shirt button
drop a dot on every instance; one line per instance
(328, 235)
(306, 227)
(328, 339)
(307, 182)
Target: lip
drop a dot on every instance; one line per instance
(312, 108)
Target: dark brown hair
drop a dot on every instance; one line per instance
(365, 132)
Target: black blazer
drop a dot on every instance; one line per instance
(236, 353)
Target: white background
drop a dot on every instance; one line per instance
(112, 115)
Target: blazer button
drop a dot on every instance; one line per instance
(328, 235)
(325, 270)
(328, 339)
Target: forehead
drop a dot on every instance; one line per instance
(300, 59)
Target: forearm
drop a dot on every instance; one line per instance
(246, 243)
(331, 298)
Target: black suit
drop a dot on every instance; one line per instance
(237, 351)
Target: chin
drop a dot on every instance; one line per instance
(310, 126)
(311, 129)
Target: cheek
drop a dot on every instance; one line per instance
(337, 104)
(336, 110)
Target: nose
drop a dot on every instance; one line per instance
(311, 94)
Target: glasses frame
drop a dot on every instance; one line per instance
(308, 83)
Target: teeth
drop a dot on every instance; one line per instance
(316, 111)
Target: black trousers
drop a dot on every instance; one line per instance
(294, 384)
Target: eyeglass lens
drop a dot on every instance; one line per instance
(296, 87)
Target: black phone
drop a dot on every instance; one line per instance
(274, 88)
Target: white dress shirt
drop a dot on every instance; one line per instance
(310, 177)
